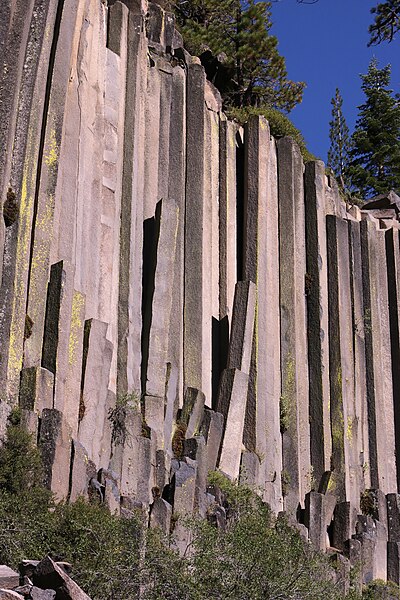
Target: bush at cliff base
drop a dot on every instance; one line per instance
(114, 558)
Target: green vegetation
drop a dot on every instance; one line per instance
(255, 556)
(105, 550)
(280, 125)
(386, 21)
(20, 460)
(367, 163)
(375, 155)
(117, 416)
(339, 151)
(178, 438)
(232, 38)
(381, 590)
(248, 69)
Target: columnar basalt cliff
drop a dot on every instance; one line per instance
(180, 294)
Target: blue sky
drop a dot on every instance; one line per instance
(325, 45)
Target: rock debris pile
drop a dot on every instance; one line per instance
(39, 580)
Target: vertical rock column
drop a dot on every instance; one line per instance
(197, 336)
(94, 427)
(91, 73)
(15, 21)
(131, 233)
(47, 193)
(213, 106)
(176, 191)
(157, 308)
(316, 285)
(261, 265)
(114, 116)
(268, 318)
(294, 364)
(345, 480)
(378, 359)
(360, 381)
(227, 216)
(19, 192)
(83, 269)
(152, 139)
(233, 387)
(64, 222)
(393, 279)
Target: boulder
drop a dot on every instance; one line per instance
(10, 595)
(49, 575)
(8, 578)
(39, 594)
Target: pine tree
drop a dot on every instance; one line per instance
(238, 31)
(386, 23)
(339, 151)
(375, 164)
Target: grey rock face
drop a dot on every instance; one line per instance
(8, 578)
(181, 294)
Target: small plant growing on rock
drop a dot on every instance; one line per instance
(20, 461)
(368, 503)
(178, 439)
(28, 327)
(283, 414)
(117, 416)
(10, 208)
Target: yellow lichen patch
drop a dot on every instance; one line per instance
(78, 303)
(349, 430)
(22, 261)
(287, 399)
(51, 157)
(339, 378)
(45, 218)
(331, 484)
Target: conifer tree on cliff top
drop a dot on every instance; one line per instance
(339, 151)
(386, 22)
(375, 157)
(237, 32)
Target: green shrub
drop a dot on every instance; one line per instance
(103, 548)
(115, 558)
(280, 126)
(117, 416)
(20, 460)
(381, 590)
(257, 557)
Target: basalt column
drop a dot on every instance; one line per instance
(360, 383)
(49, 191)
(393, 273)
(316, 285)
(215, 361)
(378, 360)
(346, 468)
(261, 265)
(227, 217)
(131, 233)
(20, 178)
(197, 335)
(114, 125)
(294, 411)
(176, 191)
